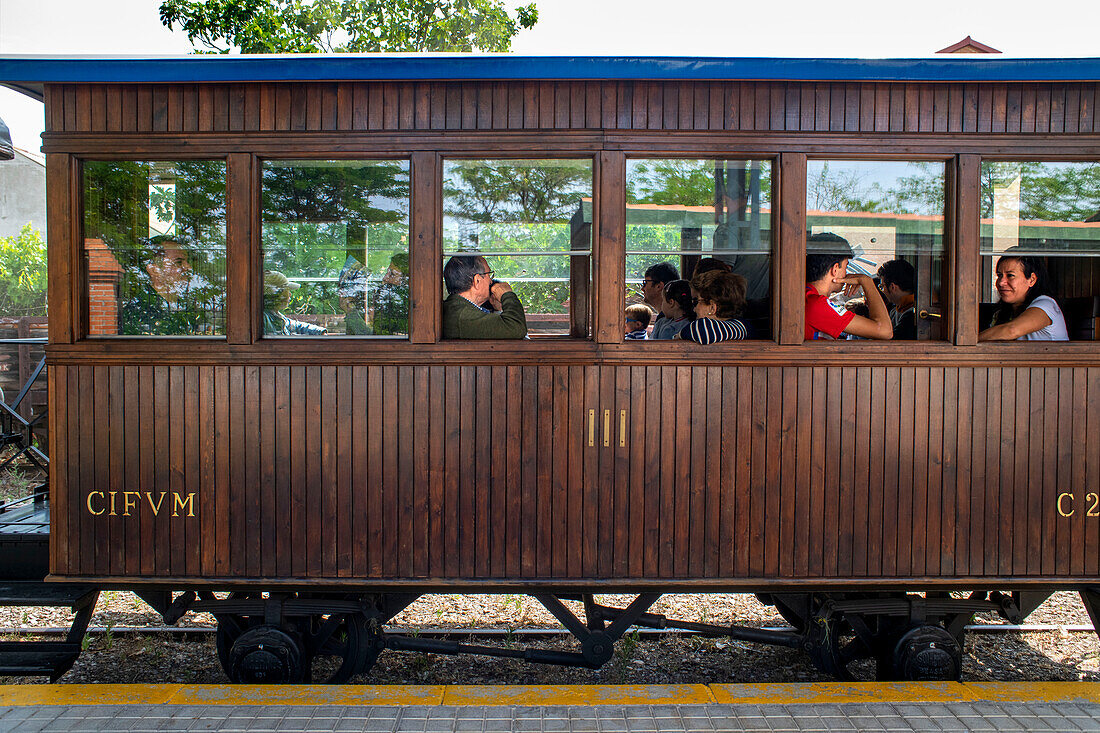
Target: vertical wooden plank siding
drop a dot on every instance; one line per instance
(798, 472)
(914, 107)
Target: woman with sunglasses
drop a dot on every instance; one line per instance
(721, 298)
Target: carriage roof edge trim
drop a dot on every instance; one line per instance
(27, 73)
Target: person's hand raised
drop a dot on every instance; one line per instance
(853, 283)
(496, 292)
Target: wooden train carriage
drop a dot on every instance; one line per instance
(574, 462)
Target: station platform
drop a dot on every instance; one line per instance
(871, 706)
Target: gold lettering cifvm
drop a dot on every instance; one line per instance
(127, 503)
(1066, 508)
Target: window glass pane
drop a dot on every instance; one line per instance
(682, 213)
(531, 220)
(154, 248)
(1041, 221)
(336, 248)
(891, 213)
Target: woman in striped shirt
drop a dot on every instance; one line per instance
(720, 299)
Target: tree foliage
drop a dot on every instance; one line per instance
(346, 26)
(23, 273)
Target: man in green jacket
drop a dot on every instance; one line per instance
(470, 287)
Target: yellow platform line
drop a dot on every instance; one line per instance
(793, 693)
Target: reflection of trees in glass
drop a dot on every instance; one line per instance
(520, 206)
(842, 188)
(515, 191)
(118, 199)
(707, 205)
(1048, 191)
(677, 182)
(317, 215)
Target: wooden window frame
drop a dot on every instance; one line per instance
(77, 327)
(255, 238)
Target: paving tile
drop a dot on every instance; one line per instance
(748, 723)
(379, 726)
(586, 725)
(469, 724)
(527, 725)
(519, 713)
(579, 712)
(948, 723)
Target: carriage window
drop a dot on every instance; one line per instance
(684, 217)
(532, 222)
(1040, 251)
(154, 248)
(891, 214)
(335, 236)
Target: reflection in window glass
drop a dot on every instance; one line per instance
(683, 212)
(335, 243)
(891, 213)
(1042, 220)
(154, 248)
(532, 221)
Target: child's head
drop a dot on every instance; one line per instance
(637, 316)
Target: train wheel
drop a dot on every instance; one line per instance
(338, 646)
(927, 653)
(230, 628)
(265, 655)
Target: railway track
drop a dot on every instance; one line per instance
(498, 632)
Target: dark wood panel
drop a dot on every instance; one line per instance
(471, 472)
(664, 105)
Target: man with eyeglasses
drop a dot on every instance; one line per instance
(653, 292)
(470, 287)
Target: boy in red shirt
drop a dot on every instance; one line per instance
(827, 258)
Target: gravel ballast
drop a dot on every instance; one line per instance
(110, 657)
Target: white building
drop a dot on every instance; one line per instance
(22, 192)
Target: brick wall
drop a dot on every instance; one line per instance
(103, 275)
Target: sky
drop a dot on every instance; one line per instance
(799, 28)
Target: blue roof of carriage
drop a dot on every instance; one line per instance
(29, 73)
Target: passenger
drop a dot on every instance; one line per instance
(653, 292)
(637, 321)
(827, 258)
(470, 286)
(165, 296)
(1027, 312)
(678, 311)
(721, 298)
(898, 282)
(277, 289)
(390, 305)
(351, 289)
